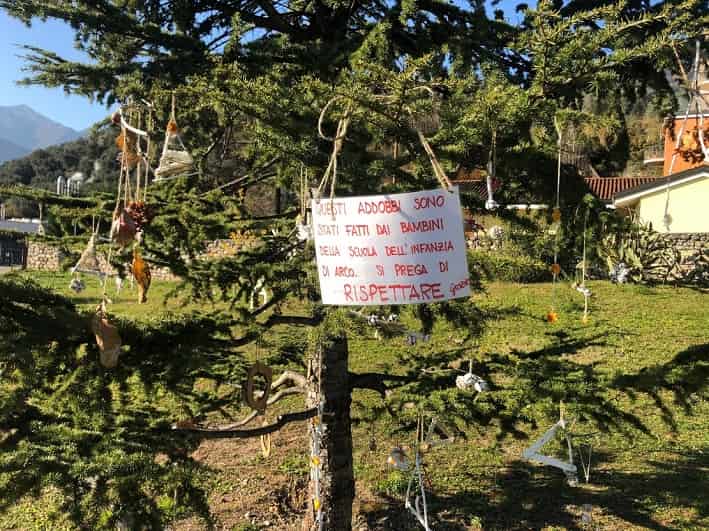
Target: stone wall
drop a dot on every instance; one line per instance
(43, 257)
(689, 246)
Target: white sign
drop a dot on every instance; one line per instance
(391, 249)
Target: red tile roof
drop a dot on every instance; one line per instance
(605, 188)
(478, 188)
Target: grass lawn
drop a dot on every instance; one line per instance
(634, 379)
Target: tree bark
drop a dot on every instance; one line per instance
(337, 487)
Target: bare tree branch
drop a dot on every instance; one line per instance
(215, 433)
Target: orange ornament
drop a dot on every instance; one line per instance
(555, 269)
(142, 275)
(552, 317)
(172, 127)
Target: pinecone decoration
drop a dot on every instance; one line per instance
(141, 213)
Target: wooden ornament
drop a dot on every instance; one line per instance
(258, 369)
(265, 443)
(555, 269)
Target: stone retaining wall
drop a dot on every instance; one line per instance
(689, 246)
(43, 257)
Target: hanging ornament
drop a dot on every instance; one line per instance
(88, 261)
(258, 369)
(123, 229)
(142, 275)
(568, 467)
(140, 213)
(127, 143)
(398, 459)
(552, 317)
(556, 215)
(471, 382)
(107, 338)
(175, 159)
(555, 269)
(77, 285)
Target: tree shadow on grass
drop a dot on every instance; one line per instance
(528, 496)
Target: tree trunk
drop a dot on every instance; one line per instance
(337, 486)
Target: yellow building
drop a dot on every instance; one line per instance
(675, 204)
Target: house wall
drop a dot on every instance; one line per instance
(670, 143)
(688, 208)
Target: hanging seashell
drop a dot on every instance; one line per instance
(123, 229)
(142, 275)
(107, 339)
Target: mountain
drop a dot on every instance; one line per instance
(9, 151)
(25, 128)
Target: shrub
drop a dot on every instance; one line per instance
(508, 265)
(648, 255)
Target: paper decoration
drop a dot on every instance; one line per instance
(391, 249)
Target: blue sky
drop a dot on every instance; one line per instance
(73, 111)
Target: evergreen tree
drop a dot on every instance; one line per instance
(250, 81)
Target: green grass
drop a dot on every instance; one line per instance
(634, 378)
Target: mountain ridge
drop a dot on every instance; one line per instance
(24, 128)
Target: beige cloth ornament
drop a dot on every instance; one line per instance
(123, 229)
(175, 158)
(107, 339)
(88, 262)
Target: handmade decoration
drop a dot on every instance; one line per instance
(142, 275)
(303, 222)
(471, 382)
(140, 213)
(265, 441)
(413, 337)
(175, 159)
(568, 467)
(123, 229)
(258, 403)
(554, 229)
(107, 337)
(259, 292)
(398, 459)
(127, 143)
(77, 285)
(88, 261)
(619, 273)
(416, 486)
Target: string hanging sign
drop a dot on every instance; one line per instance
(391, 249)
